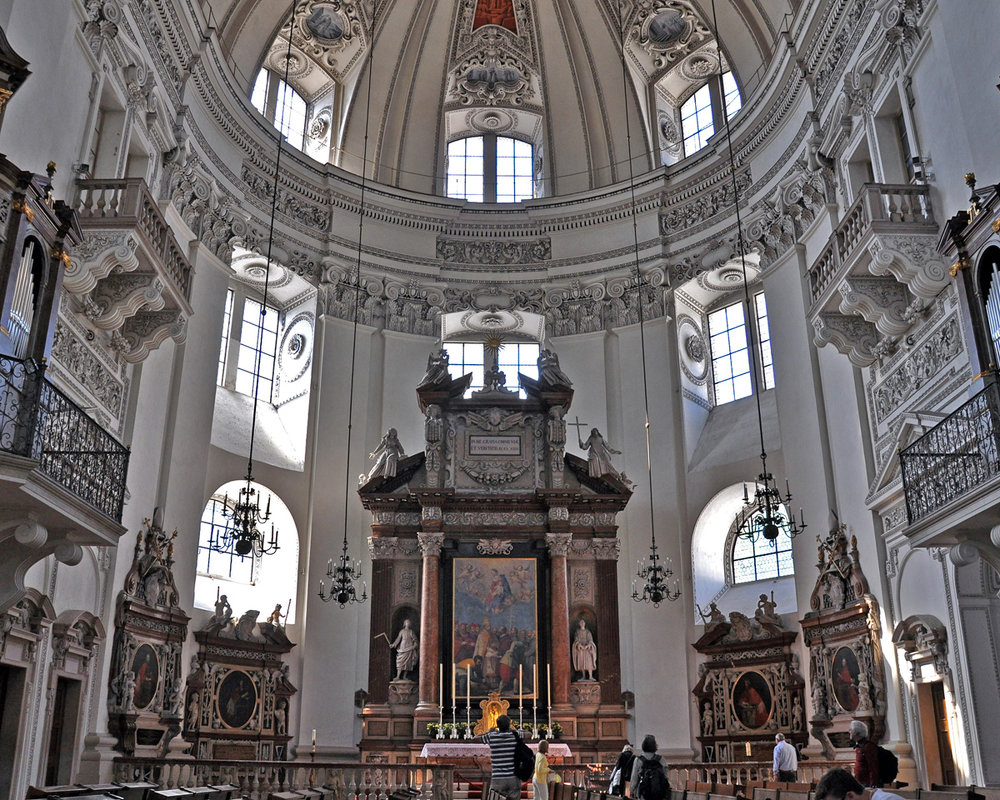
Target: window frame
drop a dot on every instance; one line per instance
(491, 168)
(760, 367)
(275, 88)
(217, 520)
(767, 549)
(233, 345)
(510, 367)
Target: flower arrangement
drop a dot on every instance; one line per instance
(449, 731)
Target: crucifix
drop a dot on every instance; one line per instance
(578, 425)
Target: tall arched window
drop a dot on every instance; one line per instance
(761, 560)
(702, 113)
(249, 582)
(490, 169)
(284, 107)
(729, 341)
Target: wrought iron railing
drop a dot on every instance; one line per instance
(258, 780)
(39, 422)
(958, 454)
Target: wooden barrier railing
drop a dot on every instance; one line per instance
(257, 780)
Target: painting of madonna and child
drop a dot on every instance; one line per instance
(494, 627)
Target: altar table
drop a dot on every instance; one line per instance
(443, 749)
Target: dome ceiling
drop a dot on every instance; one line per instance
(546, 71)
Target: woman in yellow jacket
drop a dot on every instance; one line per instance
(542, 777)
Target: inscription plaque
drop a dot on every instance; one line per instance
(483, 445)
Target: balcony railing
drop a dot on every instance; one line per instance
(126, 202)
(958, 454)
(39, 422)
(257, 780)
(881, 205)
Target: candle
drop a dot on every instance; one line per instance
(748, 752)
(440, 682)
(520, 685)
(314, 737)
(454, 674)
(548, 683)
(468, 688)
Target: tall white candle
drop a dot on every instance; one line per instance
(314, 737)
(440, 683)
(520, 685)
(468, 688)
(454, 673)
(548, 683)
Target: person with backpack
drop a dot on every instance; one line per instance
(839, 784)
(865, 755)
(502, 741)
(649, 774)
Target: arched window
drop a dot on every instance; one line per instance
(490, 169)
(761, 560)
(249, 582)
(283, 107)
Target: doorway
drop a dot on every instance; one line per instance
(936, 734)
(62, 736)
(11, 699)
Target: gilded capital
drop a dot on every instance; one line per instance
(430, 544)
(558, 543)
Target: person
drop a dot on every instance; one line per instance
(584, 652)
(223, 611)
(865, 754)
(502, 741)
(622, 771)
(543, 775)
(839, 784)
(786, 759)
(648, 754)
(406, 646)
(598, 455)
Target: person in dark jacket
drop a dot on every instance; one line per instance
(622, 772)
(648, 754)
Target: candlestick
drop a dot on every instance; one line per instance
(520, 685)
(548, 684)
(314, 737)
(534, 705)
(454, 675)
(468, 688)
(440, 700)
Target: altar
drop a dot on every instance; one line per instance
(449, 751)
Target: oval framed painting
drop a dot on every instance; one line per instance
(844, 671)
(752, 703)
(146, 669)
(237, 699)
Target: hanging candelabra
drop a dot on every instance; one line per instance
(655, 577)
(244, 522)
(765, 515)
(344, 576)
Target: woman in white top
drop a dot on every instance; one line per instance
(540, 780)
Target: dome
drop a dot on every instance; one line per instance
(547, 72)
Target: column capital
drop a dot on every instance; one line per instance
(558, 543)
(430, 544)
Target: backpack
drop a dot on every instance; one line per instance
(652, 780)
(888, 766)
(524, 760)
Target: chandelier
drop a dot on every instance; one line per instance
(244, 522)
(653, 572)
(764, 516)
(344, 576)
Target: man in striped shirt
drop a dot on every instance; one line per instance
(502, 741)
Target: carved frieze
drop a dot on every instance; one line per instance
(391, 548)
(493, 251)
(495, 547)
(516, 519)
(703, 206)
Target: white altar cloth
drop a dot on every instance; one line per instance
(443, 748)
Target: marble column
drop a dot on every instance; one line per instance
(428, 689)
(558, 544)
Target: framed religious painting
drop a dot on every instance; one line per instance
(845, 670)
(752, 700)
(237, 697)
(146, 668)
(494, 627)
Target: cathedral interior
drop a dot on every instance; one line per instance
(372, 368)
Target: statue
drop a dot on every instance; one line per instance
(707, 721)
(599, 455)
(765, 613)
(281, 718)
(437, 370)
(223, 612)
(276, 616)
(713, 617)
(584, 651)
(386, 456)
(407, 647)
(245, 630)
(192, 710)
(128, 690)
(798, 718)
(549, 373)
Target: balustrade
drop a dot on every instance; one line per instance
(258, 779)
(958, 454)
(126, 202)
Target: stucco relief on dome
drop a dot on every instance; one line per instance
(667, 31)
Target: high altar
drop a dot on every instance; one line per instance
(494, 559)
